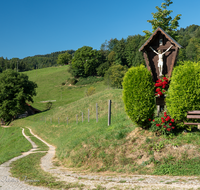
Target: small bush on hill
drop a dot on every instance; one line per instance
(48, 105)
(114, 76)
(184, 91)
(90, 91)
(138, 95)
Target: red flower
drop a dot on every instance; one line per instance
(153, 119)
(159, 80)
(170, 124)
(164, 83)
(158, 84)
(173, 127)
(165, 112)
(160, 93)
(168, 129)
(157, 124)
(164, 126)
(149, 119)
(164, 91)
(157, 89)
(165, 78)
(168, 118)
(172, 120)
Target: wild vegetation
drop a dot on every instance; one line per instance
(65, 96)
(92, 145)
(15, 91)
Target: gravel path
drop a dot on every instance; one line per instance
(93, 181)
(10, 183)
(128, 182)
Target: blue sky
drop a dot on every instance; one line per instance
(37, 27)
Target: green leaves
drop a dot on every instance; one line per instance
(163, 19)
(15, 90)
(138, 95)
(184, 90)
(85, 62)
(114, 76)
(64, 58)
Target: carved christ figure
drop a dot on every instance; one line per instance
(160, 59)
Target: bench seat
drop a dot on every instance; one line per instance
(193, 115)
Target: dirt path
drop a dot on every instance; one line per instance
(10, 183)
(92, 180)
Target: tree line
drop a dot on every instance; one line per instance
(31, 62)
(113, 52)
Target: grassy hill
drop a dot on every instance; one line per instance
(120, 147)
(50, 87)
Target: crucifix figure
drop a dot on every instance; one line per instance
(160, 59)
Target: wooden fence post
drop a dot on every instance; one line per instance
(109, 112)
(97, 112)
(88, 115)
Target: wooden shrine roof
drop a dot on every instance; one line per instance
(152, 37)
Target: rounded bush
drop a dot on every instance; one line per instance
(138, 95)
(184, 90)
(114, 76)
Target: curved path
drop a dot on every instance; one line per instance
(10, 183)
(91, 181)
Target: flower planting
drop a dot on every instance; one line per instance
(161, 86)
(164, 124)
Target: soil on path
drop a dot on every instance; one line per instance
(93, 180)
(11, 183)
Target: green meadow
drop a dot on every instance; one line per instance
(94, 146)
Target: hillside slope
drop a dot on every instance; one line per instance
(95, 146)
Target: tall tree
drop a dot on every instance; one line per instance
(85, 62)
(120, 54)
(15, 90)
(64, 58)
(163, 19)
(133, 56)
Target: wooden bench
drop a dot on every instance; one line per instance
(193, 115)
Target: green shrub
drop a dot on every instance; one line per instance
(101, 70)
(90, 91)
(114, 76)
(184, 91)
(48, 105)
(138, 95)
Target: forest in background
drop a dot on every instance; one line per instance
(113, 52)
